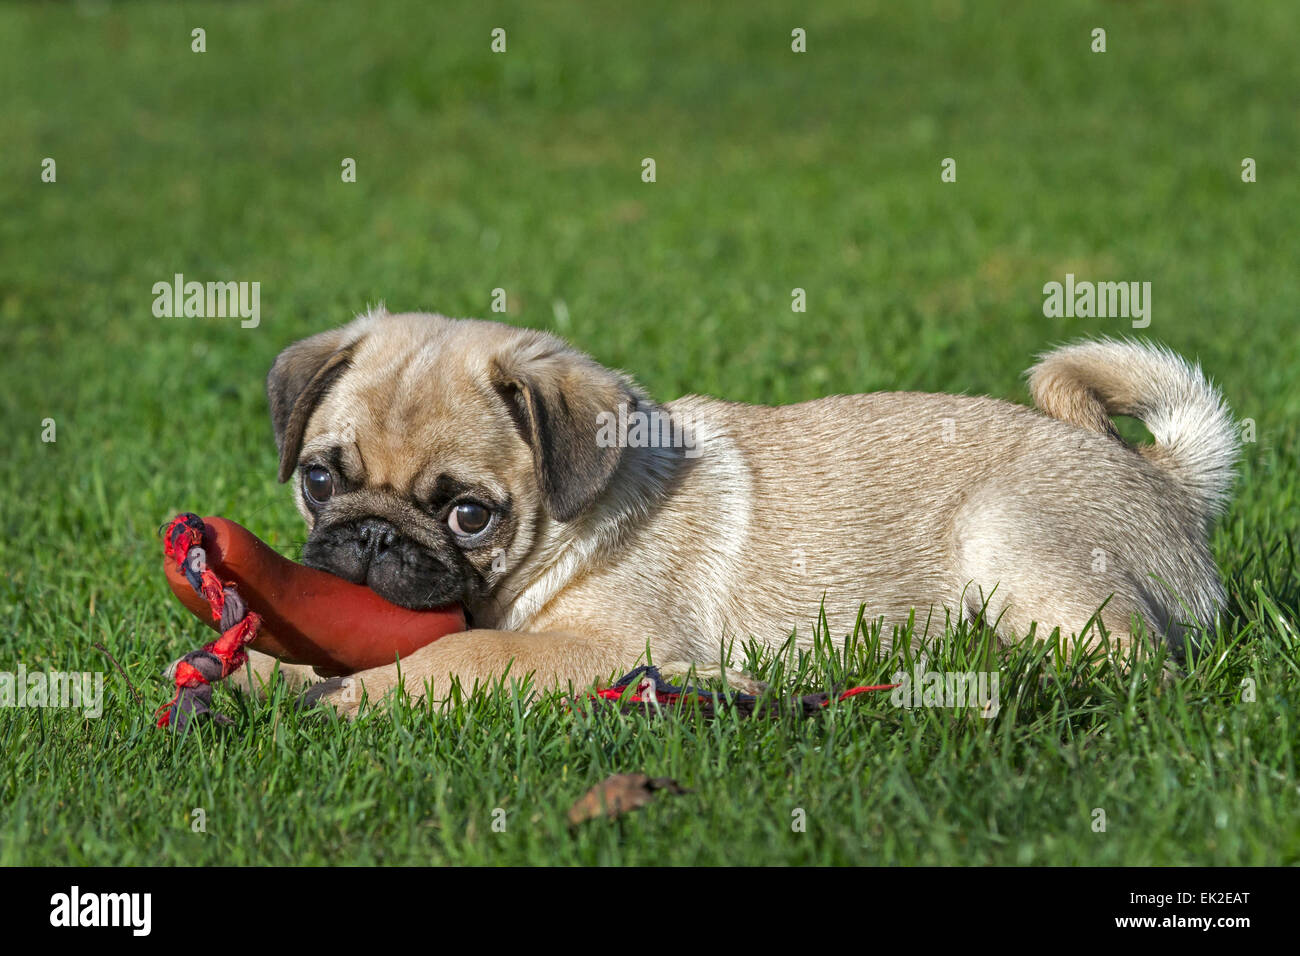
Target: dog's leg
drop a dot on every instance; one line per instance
(1019, 566)
(553, 659)
(254, 676)
(736, 680)
(1014, 619)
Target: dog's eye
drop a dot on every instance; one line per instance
(468, 519)
(318, 484)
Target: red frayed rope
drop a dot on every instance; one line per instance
(854, 691)
(639, 696)
(183, 543)
(645, 686)
(196, 671)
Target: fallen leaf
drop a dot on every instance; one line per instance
(619, 794)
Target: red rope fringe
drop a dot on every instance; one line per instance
(185, 533)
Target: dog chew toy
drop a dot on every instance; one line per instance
(241, 587)
(645, 691)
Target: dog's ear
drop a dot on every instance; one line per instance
(299, 379)
(557, 397)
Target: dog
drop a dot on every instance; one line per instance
(438, 460)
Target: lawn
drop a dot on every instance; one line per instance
(522, 171)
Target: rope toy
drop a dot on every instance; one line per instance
(216, 660)
(323, 620)
(310, 616)
(652, 693)
(257, 599)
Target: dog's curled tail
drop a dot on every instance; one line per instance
(1195, 436)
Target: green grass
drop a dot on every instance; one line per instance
(522, 171)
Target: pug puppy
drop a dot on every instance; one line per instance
(586, 527)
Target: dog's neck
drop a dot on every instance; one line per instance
(563, 550)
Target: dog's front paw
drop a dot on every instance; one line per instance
(343, 694)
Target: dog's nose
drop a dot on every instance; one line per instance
(374, 537)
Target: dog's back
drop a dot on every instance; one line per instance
(975, 505)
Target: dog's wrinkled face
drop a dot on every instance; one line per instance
(427, 452)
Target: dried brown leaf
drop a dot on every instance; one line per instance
(619, 794)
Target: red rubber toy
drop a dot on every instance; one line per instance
(309, 616)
